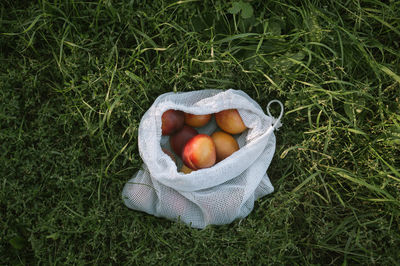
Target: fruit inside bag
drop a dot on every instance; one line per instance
(224, 162)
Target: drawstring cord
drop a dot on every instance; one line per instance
(276, 122)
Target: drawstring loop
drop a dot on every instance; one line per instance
(276, 122)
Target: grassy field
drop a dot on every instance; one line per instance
(77, 76)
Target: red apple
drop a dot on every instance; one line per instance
(172, 121)
(197, 120)
(230, 121)
(225, 145)
(179, 139)
(199, 152)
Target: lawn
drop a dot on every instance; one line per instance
(77, 76)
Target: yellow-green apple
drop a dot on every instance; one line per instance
(230, 121)
(225, 144)
(197, 120)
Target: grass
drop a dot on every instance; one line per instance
(76, 78)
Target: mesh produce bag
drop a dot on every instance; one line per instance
(215, 195)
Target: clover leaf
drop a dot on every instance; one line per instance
(245, 8)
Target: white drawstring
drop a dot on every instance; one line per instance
(276, 122)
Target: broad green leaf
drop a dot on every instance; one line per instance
(275, 28)
(17, 242)
(247, 10)
(236, 7)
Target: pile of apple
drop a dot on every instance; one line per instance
(196, 150)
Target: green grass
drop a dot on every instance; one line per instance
(76, 78)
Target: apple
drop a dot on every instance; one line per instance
(185, 169)
(230, 121)
(180, 138)
(197, 120)
(225, 144)
(199, 152)
(172, 121)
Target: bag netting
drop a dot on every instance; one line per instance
(215, 195)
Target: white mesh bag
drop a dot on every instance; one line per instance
(216, 195)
